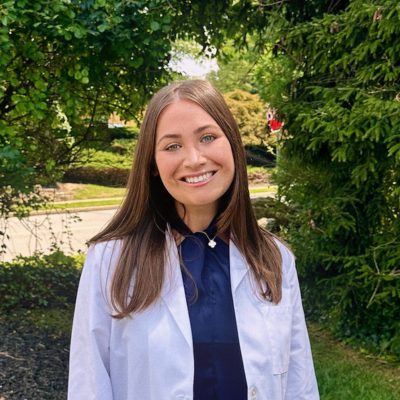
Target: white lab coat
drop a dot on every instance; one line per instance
(150, 356)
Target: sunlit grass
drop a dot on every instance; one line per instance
(89, 203)
(90, 191)
(345, 374)
(263, 190)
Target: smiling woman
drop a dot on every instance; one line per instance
(195, 162)
(183, 296)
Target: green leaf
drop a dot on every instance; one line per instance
(71, 14)
(155, 26)
(102, 28)
(166, 19)
(79, 32)
(21, 107)
(137, 62)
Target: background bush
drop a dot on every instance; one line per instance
(340, 168)
(39, 281)
(104, 177)
(126, 132)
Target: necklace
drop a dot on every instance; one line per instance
(211, 242)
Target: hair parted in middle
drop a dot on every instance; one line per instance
(148, 210)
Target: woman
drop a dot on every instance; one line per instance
(183, 296)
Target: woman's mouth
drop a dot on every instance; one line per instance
(200, 178)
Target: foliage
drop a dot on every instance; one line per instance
(341, 166)
(39, 281)
(109, 159)
(249, 113)
(268, 207)
(65, 66)
(19, 203)
(126, 132)
(106, 176)
(275, 77)
(235, 70)
(124, 146)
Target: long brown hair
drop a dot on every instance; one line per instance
(148, 209)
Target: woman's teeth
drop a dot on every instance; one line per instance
(195, 179)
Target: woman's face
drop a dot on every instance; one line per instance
(193, 156)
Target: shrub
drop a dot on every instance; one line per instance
(260, 156)
(108, 159)
(44, 281)
(249, 112)
(128, 132)
(104, 177)
(340, 167)
(128, 144)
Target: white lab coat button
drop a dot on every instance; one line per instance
(253, 393)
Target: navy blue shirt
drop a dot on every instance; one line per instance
(218, 364)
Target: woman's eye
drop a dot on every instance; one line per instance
(208, 138)
(173, 147)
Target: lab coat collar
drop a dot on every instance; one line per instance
(238, 266)
(173, 292)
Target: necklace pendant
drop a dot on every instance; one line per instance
(212, 243)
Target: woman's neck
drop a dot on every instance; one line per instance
(197, 218)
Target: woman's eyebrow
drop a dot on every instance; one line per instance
(203, 128)
(170, 136)
(195, 132)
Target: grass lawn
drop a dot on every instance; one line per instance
(89, 203)
(345, 374)
(263, 190)
(97, 192)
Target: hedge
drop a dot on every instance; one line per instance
(105, 177)
(41, 280)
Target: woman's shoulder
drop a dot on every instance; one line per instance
(103, 254)
(288, 259)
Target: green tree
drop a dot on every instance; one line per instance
(250, 114)
(235, 70)
(66, 65)
(340, 167)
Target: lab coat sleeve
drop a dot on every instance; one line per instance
(301, 380)
(89, 373)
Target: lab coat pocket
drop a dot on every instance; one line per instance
(279, 323)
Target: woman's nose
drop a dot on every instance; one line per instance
(194, 158)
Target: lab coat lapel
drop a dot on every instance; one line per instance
(173, 292)
(239, 266)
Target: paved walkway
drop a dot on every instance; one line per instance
(37, 232)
